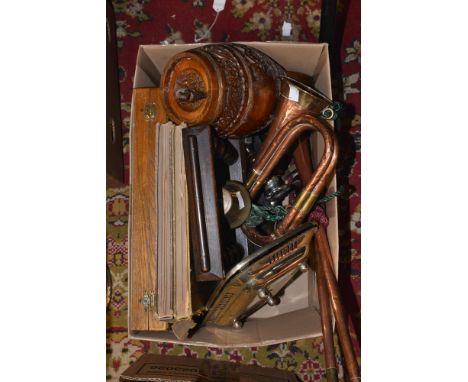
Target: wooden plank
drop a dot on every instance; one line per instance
(143, 223)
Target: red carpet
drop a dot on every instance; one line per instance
(152, 21)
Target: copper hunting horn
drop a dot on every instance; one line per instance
(328, 291)
(297, 115)
(294, 118)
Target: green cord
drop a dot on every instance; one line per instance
(260, 214)
(329, 197)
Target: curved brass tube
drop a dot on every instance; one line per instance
(296, 115)
(296, 99)
(283, 140)
(298, 214)
(277, 147)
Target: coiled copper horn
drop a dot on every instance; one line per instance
(298, 113)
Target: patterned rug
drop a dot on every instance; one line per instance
(152, 22)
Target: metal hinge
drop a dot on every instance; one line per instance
(148, 300)
(149, 111)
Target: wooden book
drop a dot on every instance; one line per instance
(147, 112)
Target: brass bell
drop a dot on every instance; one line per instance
(236, 203)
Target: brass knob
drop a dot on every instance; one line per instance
(265, 294)
(237, 324)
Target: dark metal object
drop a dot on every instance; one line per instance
(188, 95)
(239, 321)
(276, 190)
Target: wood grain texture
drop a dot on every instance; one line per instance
(232, 87)
(143, 223)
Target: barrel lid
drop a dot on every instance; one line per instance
(191, 84)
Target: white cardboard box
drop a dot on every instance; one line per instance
(297, 316)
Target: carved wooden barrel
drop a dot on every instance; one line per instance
(232, 87)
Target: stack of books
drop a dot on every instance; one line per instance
(161, 296)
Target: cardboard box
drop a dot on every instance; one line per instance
(298, 314)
